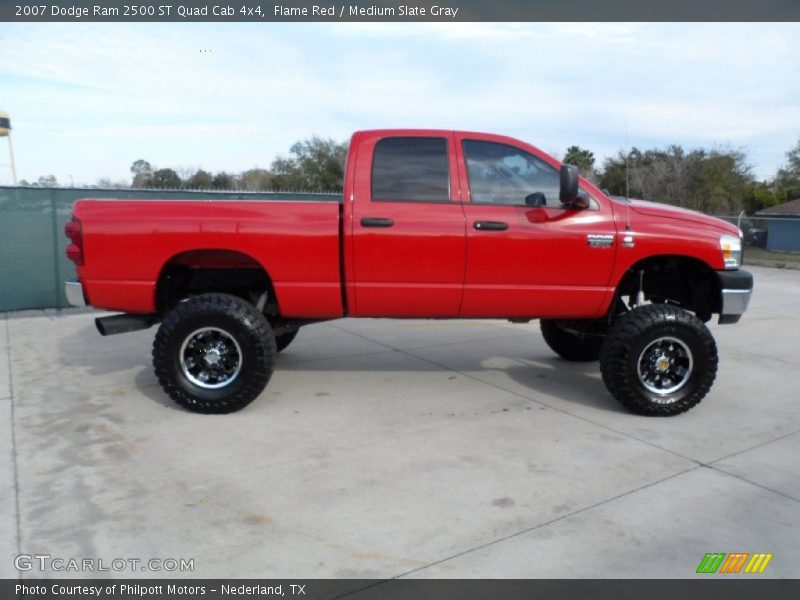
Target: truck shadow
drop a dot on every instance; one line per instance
(147, 385)
(539, 376)
(546, 379)
(94, 354)
(112, 362)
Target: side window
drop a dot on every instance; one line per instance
(502, 174)
(411, 169)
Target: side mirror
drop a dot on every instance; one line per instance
(568, 189)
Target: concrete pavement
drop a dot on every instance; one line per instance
(400, 448)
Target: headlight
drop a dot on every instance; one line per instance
(731, 251)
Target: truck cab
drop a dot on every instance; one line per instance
(470, 225)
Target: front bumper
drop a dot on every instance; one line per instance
(73, 290)
(736, 289)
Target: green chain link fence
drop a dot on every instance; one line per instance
(33, 266)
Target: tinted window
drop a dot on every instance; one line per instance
(502, 174)
(411, 169)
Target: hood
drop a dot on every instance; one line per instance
(655, 209)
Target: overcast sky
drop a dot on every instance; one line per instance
(86, 100)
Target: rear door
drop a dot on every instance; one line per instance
(408, 229)
(527, 255)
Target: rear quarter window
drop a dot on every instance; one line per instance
(411, 169)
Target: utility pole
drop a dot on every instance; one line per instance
(627, 156)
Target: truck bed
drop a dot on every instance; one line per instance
(295, 241)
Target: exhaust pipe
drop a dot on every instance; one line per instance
(123, 323)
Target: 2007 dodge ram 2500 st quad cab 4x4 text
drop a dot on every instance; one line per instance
(431, 224)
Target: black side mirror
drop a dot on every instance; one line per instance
(568, 189)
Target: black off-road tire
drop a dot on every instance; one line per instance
(635, 332)
(284, 339)
(237, 319)
(568, 345)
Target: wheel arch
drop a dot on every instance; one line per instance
(222, 270)
(681, 279)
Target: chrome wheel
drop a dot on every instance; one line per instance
(210, 358)
(664, 367)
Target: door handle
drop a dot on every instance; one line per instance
(490, 225)
(376, 222)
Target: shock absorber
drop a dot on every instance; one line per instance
(640, 293)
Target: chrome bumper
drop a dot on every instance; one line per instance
(737, 289)
(73, 290)
(734, 302)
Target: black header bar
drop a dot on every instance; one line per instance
(705, 587)
(404, 10)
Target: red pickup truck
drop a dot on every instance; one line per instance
(433, 224)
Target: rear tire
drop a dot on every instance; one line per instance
(214, 353)
(659, 360)
(567, 340)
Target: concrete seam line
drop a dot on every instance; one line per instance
(758, 485)
(750, 449)
(12, 424)
(358, 335)
(546, 523)
(791, 363)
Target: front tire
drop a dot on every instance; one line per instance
(571, 341)
(214, 353)
(659, 360)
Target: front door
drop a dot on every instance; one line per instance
(527, 254)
